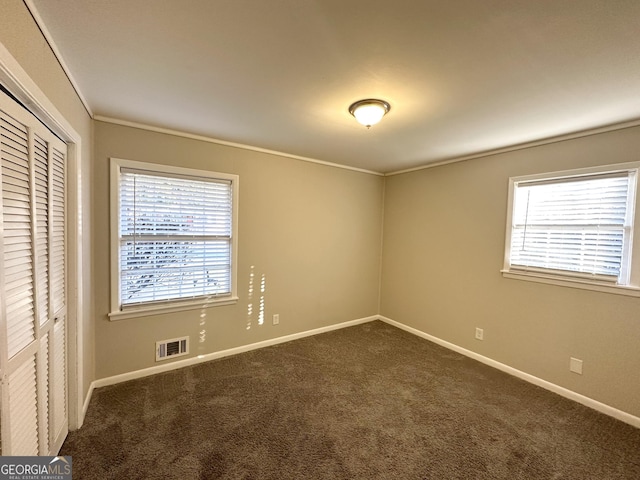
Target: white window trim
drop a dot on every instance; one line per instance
(117, 313)
(633, 286)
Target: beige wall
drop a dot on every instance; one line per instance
(312, 230)
(444, 232)
(21, 37)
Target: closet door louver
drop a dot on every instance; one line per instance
(23, 409)
(41, 162)
(59, 382)
(17, 235)
(58, 232)
(33, 280)
(43, 386)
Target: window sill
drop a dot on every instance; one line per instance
(572, 283)
(149, 310)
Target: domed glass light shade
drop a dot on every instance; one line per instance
(369, 112)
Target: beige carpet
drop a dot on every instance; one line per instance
(366, 402)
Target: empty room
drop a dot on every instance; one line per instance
(320, 239)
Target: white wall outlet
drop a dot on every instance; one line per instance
(479, 334)
(276, 318)
(575, 365)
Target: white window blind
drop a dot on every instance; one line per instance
(175, 237)
(576, 226)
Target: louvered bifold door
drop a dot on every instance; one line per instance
(41, 190)
(58, 306)
(32, 281)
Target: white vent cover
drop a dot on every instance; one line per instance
(172, 348)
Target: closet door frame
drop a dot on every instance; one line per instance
(15, 79)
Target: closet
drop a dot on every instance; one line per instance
(33, 296)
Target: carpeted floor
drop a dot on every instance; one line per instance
(366, 402)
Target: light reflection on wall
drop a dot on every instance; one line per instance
(250, 298)
(203, 324)
(256, 305)
(202, 334)
(263, 288)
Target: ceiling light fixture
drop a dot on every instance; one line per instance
(370, 111)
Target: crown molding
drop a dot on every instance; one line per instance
(202, 138)
(523, 146)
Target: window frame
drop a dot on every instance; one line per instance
(118, 312)
(632, 287)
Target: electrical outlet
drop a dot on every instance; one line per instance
(575, 365)
(479, 334)
(276, 318)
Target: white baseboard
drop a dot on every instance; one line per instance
(145, 372)
(85, 405)
(570, 394)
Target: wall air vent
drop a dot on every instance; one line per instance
(172, 348)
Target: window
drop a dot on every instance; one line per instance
(173, 237)
(574, 228)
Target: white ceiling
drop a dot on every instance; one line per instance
(462, 76)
